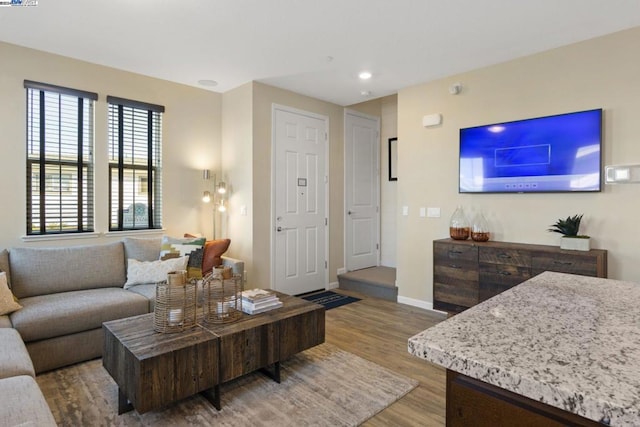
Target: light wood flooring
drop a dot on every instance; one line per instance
(377, 330)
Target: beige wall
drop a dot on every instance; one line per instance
(601, 73)
(263, 98)
(237, 172)
(191, 139)
(388, 189)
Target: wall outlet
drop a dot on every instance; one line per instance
(405, 210)
(341, 271)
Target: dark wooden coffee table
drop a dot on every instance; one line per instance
(154, 369)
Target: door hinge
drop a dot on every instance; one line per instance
(326, 136)
(377, 209)
(377, 246)
(326, 221)
(325, 265)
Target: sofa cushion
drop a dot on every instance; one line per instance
(14, 358)
(147, 290)
(173, 247)
(143, 272)
(142, 249)
(213, 250)
(8, 303)
(23, 403)
(5, 322)
(42, 271)
(48, 316)
(4, 265)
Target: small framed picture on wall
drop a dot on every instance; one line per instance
(393, 159)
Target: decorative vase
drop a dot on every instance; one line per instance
(575, 243)
(480, 228)
(458, 225)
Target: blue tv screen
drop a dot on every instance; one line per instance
(560, 153)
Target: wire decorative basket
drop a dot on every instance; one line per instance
(222, 298)
(175, 308)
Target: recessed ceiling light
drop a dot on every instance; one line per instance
(209, 83)
(364, 75)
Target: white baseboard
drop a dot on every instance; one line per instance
(341, 271)
(333, 285)
(418, 303)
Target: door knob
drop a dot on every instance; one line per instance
(349, 212)
(283, 228)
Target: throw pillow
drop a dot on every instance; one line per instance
(4, 265)
(213, 251)
(141, 272)
(174, 247)
(8, 303)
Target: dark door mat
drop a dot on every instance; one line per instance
(330, 299)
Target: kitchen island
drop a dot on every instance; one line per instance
(558, 349)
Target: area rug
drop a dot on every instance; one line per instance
(330, 299)
(323, 386)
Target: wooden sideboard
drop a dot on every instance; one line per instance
(466, 273)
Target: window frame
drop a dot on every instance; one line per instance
(153, 166)
(84, 209)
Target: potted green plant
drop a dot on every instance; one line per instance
(569, 228)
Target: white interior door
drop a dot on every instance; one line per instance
(362, 190)
(300, 215)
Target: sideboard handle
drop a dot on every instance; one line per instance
(504, 256)
(452, 251)
(562, 263)
(505, 273)
(455, 266)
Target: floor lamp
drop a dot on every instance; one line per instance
(218, 197)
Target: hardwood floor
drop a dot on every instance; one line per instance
(377, 330)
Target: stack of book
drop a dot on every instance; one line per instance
(256, 301)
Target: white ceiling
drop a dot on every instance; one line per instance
(287, 43)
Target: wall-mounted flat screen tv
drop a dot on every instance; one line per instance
(560, 153)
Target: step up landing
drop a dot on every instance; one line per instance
(378, 282)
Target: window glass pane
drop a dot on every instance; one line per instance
(59, 163)
(134, 156)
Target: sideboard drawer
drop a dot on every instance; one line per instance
(568, 263)
(508, 256)
(445, 252)
(497, 278)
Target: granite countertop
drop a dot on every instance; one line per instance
(569, 341)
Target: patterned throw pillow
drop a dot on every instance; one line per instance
(143, 272)
(174, 247)
(8, 303)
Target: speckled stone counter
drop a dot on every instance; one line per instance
(569, 341)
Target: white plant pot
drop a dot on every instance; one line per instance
(575, 243)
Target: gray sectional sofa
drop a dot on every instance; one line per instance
(66, 294)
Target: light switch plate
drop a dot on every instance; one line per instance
(433, 212)
(422, 212)
(405, 210)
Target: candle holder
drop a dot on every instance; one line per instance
(175, 308)
(222, 298)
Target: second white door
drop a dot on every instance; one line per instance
(362, 190)
(300, 219)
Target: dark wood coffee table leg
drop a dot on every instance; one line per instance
(213, 396)
(123, 403)
(275, 374)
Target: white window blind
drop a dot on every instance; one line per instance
(135, 164)
(59, 159)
